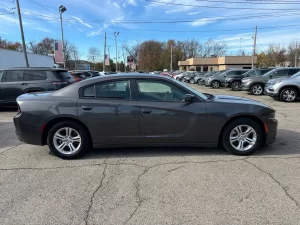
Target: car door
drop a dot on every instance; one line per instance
(281, 73)
(109, 112)
(34, 80)
(165, 117)
(12, 85)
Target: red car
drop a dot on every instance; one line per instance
(77, 76)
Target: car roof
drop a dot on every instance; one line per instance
(37, 68)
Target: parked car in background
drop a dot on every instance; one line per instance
(180, 76)
(141, 110)
(202, 80)
(78, 76)
(285, 89)
(198, 78)
(189, 76)
(217, 81)
(192, 79)
(235, 82)
(87, 73)
(17, 81)
(256, 84)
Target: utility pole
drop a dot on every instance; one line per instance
(22, 34)
(241, 46)
(171, 62)
(124, 60)
(62, 9)
(109, 69)
(296, 53)
(116, 34)
(104, 52)
(254, 47)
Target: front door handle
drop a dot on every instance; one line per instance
(86, 108)
(147, 111)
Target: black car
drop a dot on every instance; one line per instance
(235, 82)
(192, 79)
(189, 76)
(17, 81)
(141, 110)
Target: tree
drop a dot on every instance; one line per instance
(69, 50)
(133, 51)
(94, 54)
(44, 47)
(17, 46)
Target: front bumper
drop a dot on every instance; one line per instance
(207, 82)
(272, 125)
(245, 86)
(270, 91)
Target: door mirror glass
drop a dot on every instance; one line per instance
(189, 98)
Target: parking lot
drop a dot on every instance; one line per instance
(153, 185)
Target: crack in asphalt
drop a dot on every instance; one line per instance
(94, 193)
(276, 181)
(177, 168)
(2, 153)
(137, 195)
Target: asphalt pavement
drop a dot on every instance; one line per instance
(153, 185)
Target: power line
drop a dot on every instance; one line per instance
(216, 7)
(250, 2)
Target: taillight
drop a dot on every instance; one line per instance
(19, 109)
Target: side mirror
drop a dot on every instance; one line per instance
(271, 76)
(189, 98)
(247, 75)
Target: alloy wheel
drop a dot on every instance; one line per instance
(215, 84)
(257, 89)
(67, 140)
(243, 137)
(289, 95)
(235, 86)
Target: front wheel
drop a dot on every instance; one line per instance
(257, 89)
(192, 81)
(68, 140)
(236, 86)
(288, 95)
(242, 136)
(215, 84)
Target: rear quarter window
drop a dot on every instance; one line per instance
(34, 75)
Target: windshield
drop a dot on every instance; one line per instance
(191, 89)
(295, 75)
(270, 72)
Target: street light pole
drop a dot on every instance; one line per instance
(109, 59)
(241, 45)
(62, 9)
(116, 34)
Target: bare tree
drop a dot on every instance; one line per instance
(94, 54)
(69, 52)
(133, 51)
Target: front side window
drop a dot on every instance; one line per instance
(115, 89)
(293, 71)
(281, 73)
(229, 73)
(14, 75)
(1, 74)
(159, 91)
(34, 75)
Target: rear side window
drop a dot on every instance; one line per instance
(262, 72)
(35, 75)
(64, 75)
(230, 73)
(115, 89)
(239, 72)
(14, 75)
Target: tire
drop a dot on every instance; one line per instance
(177, 78)
(257, 89)
(215, 84)
(288, 95)
(238, 145)
(81, 145)
(199, 82)
(236, 86)
(192, 81)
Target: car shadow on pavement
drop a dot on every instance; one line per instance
(287, 143)
(8, 108)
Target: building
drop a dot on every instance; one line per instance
(216, 63)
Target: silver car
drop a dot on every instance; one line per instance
(218, 80)
(256, 84)
(285, 89)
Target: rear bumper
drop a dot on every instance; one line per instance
(28, 129)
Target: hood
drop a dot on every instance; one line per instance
(235, 99)
(276, 79)
(257, 78)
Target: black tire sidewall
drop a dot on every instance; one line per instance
(291, 89)
(235, 123)
(84, 138)
(232, 85)
(257, 86)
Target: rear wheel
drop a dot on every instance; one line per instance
(288, 95)
(68, 140)
(242, 136)
(236, 86)
(257, 89)
(215, 84)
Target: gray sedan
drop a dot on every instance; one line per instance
(141, 110)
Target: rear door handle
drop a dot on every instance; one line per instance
(86, 108)
(147, 111)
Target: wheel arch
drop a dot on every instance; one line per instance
(252, 117)
(289, 86)
(257, 83)
(54, 121)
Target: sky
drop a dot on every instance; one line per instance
(85, 22)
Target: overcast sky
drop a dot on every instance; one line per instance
(85, 22)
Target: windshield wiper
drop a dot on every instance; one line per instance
(209, 96)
